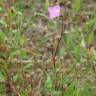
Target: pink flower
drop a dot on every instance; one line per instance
(54, 11)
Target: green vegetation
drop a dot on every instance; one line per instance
(32, 60)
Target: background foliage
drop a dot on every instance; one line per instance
(28, 38)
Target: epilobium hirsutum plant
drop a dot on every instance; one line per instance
(55, 11)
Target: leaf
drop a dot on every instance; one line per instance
(55, 93)
(19, 13)
(1, 9)
(15, 78)
(86, 90)
(77, 5)
(46, 5)
(70, 91)
(62, 52)
(2, 22)
(2, 77)
(22, 40)
(2, 36)
(29, 65)
(77, 53)
(18, 52)
(48, 83)
(90, 24)
(90, 38)
(66, 80)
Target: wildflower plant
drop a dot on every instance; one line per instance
(54, 11)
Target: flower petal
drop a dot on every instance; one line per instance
(54, 11)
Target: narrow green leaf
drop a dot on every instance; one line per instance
(2, 77)
(2, 36)
(48, 83)
(27, 66)
(90, 38)
(77, 5)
